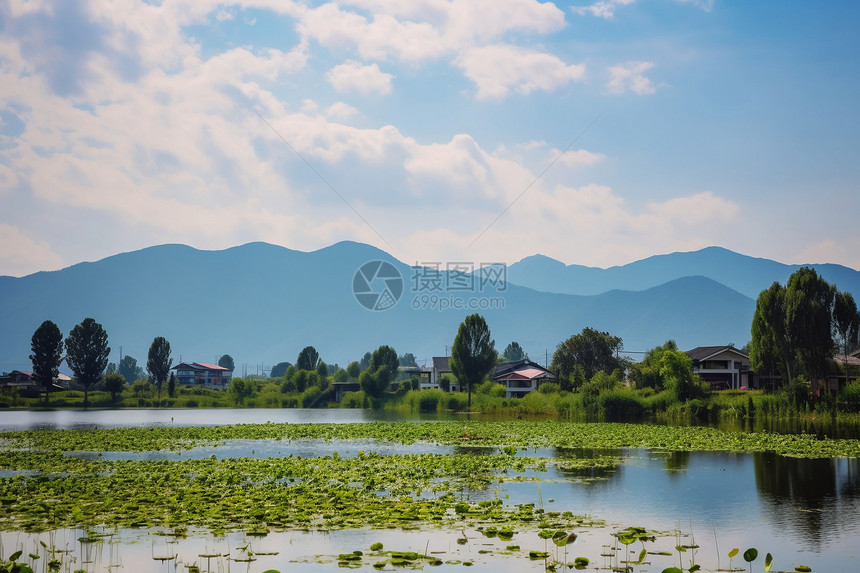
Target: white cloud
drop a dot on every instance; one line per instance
(416, 31)
(706, 5)
(21, 255)
(589, 225)
(826, 251)
(8, 180)
(629, 77)
(499, 68)
(352, 76)
(578, 158)
(341, 111)
(603, 9)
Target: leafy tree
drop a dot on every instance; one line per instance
(239, 390)
(770, 347)
(473, 352)
(226, 361)
(667, 368)
(308, 359)
(158, 362)
(87, 353)
(171, 385)
(408, 359)
(846, 325)
(340, 376)
(385, 356)
(300, 380)
(279, 369)
(592, 349)
(47, 348)
(793, 326)
(514, 352)
(576, 380)
(809, 310)
(375, 382)
(129, 369)
(364, 363)
(353, 370)
(322, 369)
(114, 383)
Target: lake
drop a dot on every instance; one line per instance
(803, 511)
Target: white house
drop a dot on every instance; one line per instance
(723, 367)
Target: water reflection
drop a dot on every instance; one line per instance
(814, 497)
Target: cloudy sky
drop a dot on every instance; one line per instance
(439, 130)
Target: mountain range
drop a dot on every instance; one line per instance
(263, 303)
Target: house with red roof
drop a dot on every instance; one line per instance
(521, 377)
(203, 374)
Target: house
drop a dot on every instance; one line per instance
(423, 374)
(202, 374)
(723, 367)
(521, 377)
(441, 366)
(18, 380)
(25, 383)
(846, 365)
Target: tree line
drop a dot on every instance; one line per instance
(86, 352)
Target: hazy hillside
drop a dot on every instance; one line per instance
(262, 303)
(747, 275)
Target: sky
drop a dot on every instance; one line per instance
(594, 132)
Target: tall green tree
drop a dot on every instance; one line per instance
(514, 352)
(47, 354)
(408, 359)
(308, 359)
(226, 361)
(809, 312)
(385, 356)
(87, 353)
(846, 326)
(473, 353)
(770, 346)
(158, 362)
(353, 370)
(130, 370)
(592, 349)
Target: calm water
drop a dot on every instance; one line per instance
(801, 511)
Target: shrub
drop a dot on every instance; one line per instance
(456, 401)
(429, 400)
(353, 400)
(311, 397)
(621, 405)
(849, 397)
(549, 388)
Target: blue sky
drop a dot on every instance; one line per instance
(602, 132)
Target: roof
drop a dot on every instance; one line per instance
(850, 360)
(442, 363)
(198, 366)
(704, 352)
(525, 374)
(523, 369)
(210, 366)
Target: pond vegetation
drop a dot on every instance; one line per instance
(45, 488)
